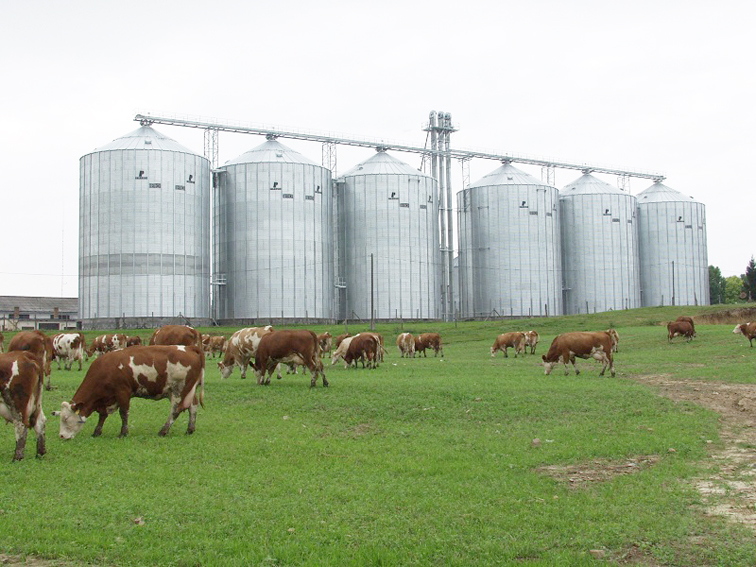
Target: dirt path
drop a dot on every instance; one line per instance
(730, 491)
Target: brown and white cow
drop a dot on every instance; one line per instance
(215, 345)
(614, 335)
(428, 340)
(107, 343)
(340, 338)
(151, 372)
(343, 347)
(680, 329)
(176, 335)
(325, 340)
(405, 342)
(241, 348)
(133, 341)
(688, 320)
(21, 380)
(299, 348)
(40, 345)
(531, 340)
(748, 330)
(515, 340)
(364, 346)
(584, 345)
(68, 347)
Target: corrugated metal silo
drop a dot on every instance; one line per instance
(673, 251)
(599, 247)
(144, 230)
(509, 248)
(273, 241)
(389, 209)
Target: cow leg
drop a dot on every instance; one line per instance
(175, 411)
(506, 354)
(123, 410)
(79, 359)
(39, 429)
(57, 358)
(21, 432)
(192, 418)
(100, 423)
(48, 387)
(278, 372)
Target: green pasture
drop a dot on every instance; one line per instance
(424, 461)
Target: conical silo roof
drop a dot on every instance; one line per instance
(271, 151)
(381, 163)
(145, 138)
(659, 193)
(507, 174)
(589, 185)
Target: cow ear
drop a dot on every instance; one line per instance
(65, 405)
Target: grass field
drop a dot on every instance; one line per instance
(421, 462)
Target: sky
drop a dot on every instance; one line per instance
(659, 86)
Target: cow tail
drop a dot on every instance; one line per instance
(202, 389)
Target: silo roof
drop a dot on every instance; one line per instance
(659, 192)
(589, 185)
(145, 138)
(381, 163)
(507, 174)
(271, 151)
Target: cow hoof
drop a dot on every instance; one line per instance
(162, 433)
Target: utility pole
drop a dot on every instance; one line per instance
(372, 296)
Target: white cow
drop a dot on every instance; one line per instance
(68, 347)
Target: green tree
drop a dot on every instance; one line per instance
(733, 289)
(716, 286)
(749, 280)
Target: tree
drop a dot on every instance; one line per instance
(733, 289)
(716, 286)
(749, 280)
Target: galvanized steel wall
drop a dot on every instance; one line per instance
(273, 239)
(509, 247)
(390, 210)
(144, 240)
(672, 236)
(599, 247)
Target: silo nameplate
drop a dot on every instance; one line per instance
(405, 205)
(155, 185)
(288, 195)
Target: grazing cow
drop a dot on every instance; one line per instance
(176, 335)
(40, 345)
(748, 330)
(68, 347)
(531, 340)
(241, 348)
(340, 338)
(107, 343)
(21, 380)
(614, 335)
(133, 341)
(429, 340)
(216, 345)
(325, 340)
(515, 340)
(341, 350)
(151, 372)
(567, 346)
(288, 347)
(363, 346)
(406, 345)
(680, 329)
(688, 320)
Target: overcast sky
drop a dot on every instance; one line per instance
(663, 86)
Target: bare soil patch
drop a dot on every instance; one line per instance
(731, 490)
(582, 475)
(727, 317)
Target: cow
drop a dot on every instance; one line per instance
(298, 347)
(176, 335)
(428, 340)
(515, 340)
(68, 347)
(614, 335)
(151, 372)
(406, 345)
(584, 345)
(680, 329)
(687, 320)
(531, 340)
(325, 340)
(363, 346)
(21, 378)
(133, 341)
(241, 348)
(748, 330)
(340, 338)
(343, 347)
(215, 345)
(107, 343)
(40, 345)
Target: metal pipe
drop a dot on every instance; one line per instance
(449, 220)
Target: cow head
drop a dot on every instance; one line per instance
(225, 371)
(738, 329)
(547, 366)
(493, 351)
(70, 421)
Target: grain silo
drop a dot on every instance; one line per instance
(273, 245)
(144, 232)
(599, 247)
(509, 249)
(388, 212)
(673, 252)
